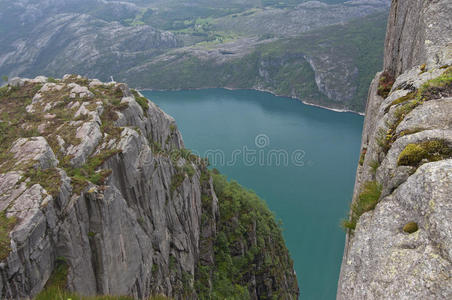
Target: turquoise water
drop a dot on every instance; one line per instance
(309, 191)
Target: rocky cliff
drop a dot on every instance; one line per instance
(99, 196)
(400, 231)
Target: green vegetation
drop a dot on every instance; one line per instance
(176, 182)
(410, 227)
(55, 288)
(439, 87)
(142, 101)
(385, 84)
(186, 170)
(5, 78)
(415, 154)
(196, 18)
(58, 278)
(374, 164)
(362, 156)
(89, 173)
(15, 121)
(399, 100)
(411, 131)
(357, 45)
(179, 177)
(6, 225)
(367, 200)
(13, 101)
(281, 66)
(49, 179)
(249, 242)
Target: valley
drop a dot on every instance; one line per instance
(307, 50)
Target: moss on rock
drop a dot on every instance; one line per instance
(410, 227)
(367, 200)
(415, 154)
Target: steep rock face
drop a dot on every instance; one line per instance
(418, 32)
(95, 175)
(399, 242)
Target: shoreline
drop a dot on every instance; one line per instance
(258, 90)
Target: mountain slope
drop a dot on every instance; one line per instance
(332, 66)
(121, 38)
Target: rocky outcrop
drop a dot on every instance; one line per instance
(418, 32)
(94, 175)
(399, 240)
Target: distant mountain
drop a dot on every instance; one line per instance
(121, 38)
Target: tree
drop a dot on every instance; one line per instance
(5, 78)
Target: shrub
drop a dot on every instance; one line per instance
(49, 179)
(142, 101)
(432, 150)
(88, 172)
(410, 227)
(176, 182)
(367, 200)
(189, 170)
(173, 128)
(385, 84)
(362, 156)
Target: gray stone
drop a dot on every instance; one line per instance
(380, 260)
(386, 263)
(131, 235)
(35, 149)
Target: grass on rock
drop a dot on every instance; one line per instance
(367, 200)
(6, 225)
(415, 154)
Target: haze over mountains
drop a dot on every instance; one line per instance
(280, 46)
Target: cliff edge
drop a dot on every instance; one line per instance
(399, 236)
(98, 196)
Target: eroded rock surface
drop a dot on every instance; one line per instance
(96, 175)
(401, 249)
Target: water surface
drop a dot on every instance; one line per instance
(310, 194)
